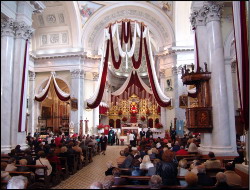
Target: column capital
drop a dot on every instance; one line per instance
(95, 75)
(162, 73)
(38, 5)
(198, 17)
(174, 70)
(32, 75)
(76, 73)
(213, 10)
(82, 74)
(23, 30)
(7, 27)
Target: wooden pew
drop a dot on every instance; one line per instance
(65, 169)
(120, 160)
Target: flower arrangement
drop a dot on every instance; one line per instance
(124, 119)
(120, 112)
(101, 126)
(148, 112)
(143, 118)
(158, 126)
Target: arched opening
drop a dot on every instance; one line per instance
(111, 123)
(118, 123)
(150, 123)
(54, 112)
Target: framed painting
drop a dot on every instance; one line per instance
(183, 101)
(74, 104)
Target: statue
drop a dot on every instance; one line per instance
(205, 66)
(133, 108)
(192, 66)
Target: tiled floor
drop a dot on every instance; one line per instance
(95, 171)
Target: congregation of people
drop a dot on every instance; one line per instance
(170, 163)
(61, 155)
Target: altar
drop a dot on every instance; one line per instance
(126, 129)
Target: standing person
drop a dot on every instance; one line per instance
(135, 139)
(172, 134)
(103, 141)
(142, 134)
(149, 133)
(131, 138)
(111, 137)
(117, 137)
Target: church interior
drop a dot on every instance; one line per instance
(109, 80)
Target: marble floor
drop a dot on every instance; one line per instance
(95, 171)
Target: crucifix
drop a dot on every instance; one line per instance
(86, 126)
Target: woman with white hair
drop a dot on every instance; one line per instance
(17, 182)
(146, 163)
(110, 166)
(221, 182)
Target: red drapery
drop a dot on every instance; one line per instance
(103, 80)
(43, 97)
(137, 63)
(22, 89)
(151, 80)
(126, 37)
(59, 95)
(115, 63)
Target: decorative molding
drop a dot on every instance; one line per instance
(233, 67)
(41, 20)
(61, 18)
(174, 70)
(198, 17)
(76, 73)
(172, 51)
(32, 76)
(51, 18)
(82, 74)
(95, 75)
(213, 10)
(22, 30)
(54, 38)
(38, 5)
(162, 73)
(7, 27)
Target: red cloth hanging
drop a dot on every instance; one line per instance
(115, 63)
(103, 81)
(59, 95)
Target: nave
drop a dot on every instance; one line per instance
(95, 171)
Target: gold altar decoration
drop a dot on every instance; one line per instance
(142, 106)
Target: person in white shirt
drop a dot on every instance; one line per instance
(44, 162)
(131, 138)
(146, 162)
(11, 165)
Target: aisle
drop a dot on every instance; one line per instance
(93, 171)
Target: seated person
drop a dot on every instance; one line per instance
(96, 185)
(17, 182)
(117, 179)
(203, 178)
(192, 147)
(146, 163)
(233, 179)
(108, 182)
(176, 147)
(136, 171)
(155, 182)
(110, 166)
(11, 165)
(43, 161)
(18, 149)
(4, 175)
(212, 162)
(192, 180)
(23, 168)
(194, 166)
(77, 148)
(54, 159)
(152, 170)
(182, 171)
(128, 160)
(28, 157)
(182, 151)
(221, 181)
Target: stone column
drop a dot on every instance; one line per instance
(75, 93)
(81, 103)
(23, 32)
(96, 110)
(197, 19)
(163, 110)
(221, 143)
(32, 123)
(7, 56)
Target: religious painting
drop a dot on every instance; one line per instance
(46, 112)
(74, 104)
(86, 9)
(203, 118)
(183, 101)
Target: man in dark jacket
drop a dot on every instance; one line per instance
(203, 178)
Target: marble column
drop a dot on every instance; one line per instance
(81, 103)
(197, 19)
(96, 110)
(75, 93)
(7, 56)
(23, 32)
(32, 123)
(221, 141)
(163, 110)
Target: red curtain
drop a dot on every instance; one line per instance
(126, 37)
(245, 65)
(103, 80)
(22, 89)
(118, 123)
(115, 63)
(137, 63)
(151, 80)
(43, 97)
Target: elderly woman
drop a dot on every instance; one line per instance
(167, 169)
(11, 165)
(146, 163)
(110, 166)
(192, 147)
(221, 181)
(182, 171)
(192, 180)
(155, 182)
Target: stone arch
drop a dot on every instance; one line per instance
(159, 23)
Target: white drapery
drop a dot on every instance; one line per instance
(162, 96)
(41, 94)
(62, 93)
(192, 90)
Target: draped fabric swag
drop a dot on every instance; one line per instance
(242, 58)
(192, 92)
(60, 94)
(126, 36)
